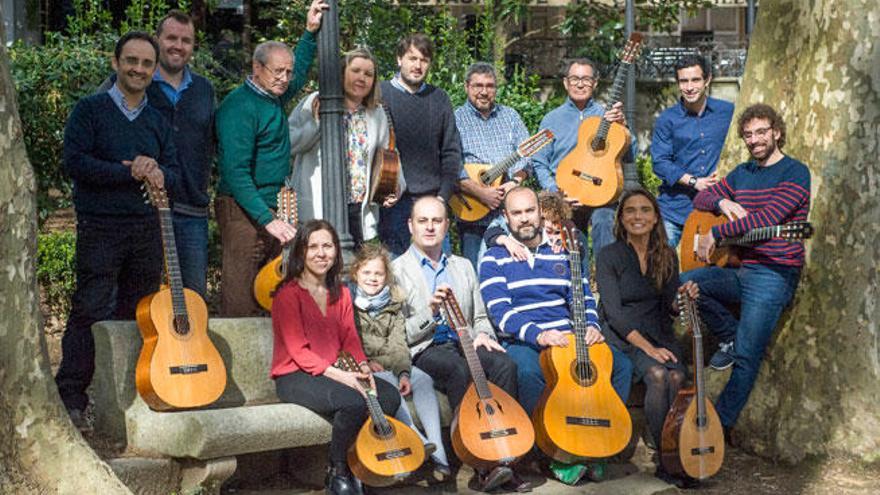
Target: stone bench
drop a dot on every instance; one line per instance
(247, 418)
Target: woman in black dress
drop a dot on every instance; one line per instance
(638, 282)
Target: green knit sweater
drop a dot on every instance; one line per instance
(254, 141)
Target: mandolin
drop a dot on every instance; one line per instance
(490, 427)
(692, 443)
(178, 367)
(579, 416)
(592, 172)
(470, 209)
(386, 451)
(273, 273)
(700, 223)
(386, 167)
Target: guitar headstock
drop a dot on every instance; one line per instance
(568, 236)
(632, 49)
(454, 316)
(796, 231)
(690, 318)
(287, 210)
(156, 196)
(534, 143)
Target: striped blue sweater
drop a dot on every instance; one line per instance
(523, 299)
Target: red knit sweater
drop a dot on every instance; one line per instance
(307, 340)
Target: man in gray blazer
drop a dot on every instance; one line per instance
(425, 274)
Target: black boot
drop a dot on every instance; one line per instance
(339, 481)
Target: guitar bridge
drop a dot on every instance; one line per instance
(703, 451)
(393, 454)
(487, 435)
(188, 369)
(581, 421)
(597, 181)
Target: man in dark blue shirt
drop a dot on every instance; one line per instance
(688, 138)
(113, 143)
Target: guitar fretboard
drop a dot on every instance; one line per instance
(757, 235)
(457, 321)
(615, 95)
(578, 309)
(172, 268)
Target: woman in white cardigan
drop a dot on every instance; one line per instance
(366, 131)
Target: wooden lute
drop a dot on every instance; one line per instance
(386, 451)
(579, 416)
(178, 367)
(490, 427)
(273, 273)
(386, 167)
(692, 443)
(700, 223)
(469, 208)
(592, 172)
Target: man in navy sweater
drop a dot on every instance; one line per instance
(187, 102)
(529, 302)
(427, 138)
(113, 143)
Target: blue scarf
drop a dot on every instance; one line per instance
(372, 304)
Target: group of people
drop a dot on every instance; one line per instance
(154, 121)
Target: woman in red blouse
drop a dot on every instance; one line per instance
(313, 320)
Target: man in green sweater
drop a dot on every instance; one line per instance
(254, 159)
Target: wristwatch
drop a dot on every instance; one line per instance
(692, 181)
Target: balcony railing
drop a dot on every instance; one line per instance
(658, 60)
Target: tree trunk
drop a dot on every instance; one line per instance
(818, 392)
(40, 451)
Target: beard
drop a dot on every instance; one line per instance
(768, 150)
(526, 233)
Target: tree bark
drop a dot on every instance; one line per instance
(818, 392)
(40, 451)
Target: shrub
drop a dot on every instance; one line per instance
(56, 269)
(646, 174)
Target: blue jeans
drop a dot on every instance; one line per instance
(602, 230)
(673, 232)
(762, 293)
(530, 379)
(191, 237)
(471, 236)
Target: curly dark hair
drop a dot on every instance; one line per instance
(763, 111)
(333, 281)
(661, 257)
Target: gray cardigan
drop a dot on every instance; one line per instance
(420, 322)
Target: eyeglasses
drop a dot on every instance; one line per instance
(576, 81)
(481, 87)
(279, 73)
(757, 132)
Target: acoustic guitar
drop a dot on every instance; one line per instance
(592, 172)
(579, 416)
(178, 367)
(386, 451)
(470, 209)
(700, 223)
(273, 273)
(692, 443)
(490, 427)
(386, 167)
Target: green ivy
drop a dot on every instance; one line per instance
(56, 269)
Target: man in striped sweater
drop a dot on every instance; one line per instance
(529, 302)
(770, 189)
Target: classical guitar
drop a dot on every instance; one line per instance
(490, 427)
(179, 367)
(469, 208)
(386, 451)
(700, 223)
(592, 172)
(386, 167)
(273, 273)
(692, 442)
(579, 416)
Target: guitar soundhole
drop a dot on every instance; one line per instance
(181, 324)
(584, 374)
(383, 431)
(598, 144)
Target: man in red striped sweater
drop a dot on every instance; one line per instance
(770, 189)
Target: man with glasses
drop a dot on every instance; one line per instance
(254, 159)
(580, 82)
(687, 142)
(770, 189)
(489, 133)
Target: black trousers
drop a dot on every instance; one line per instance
(117, 263)
(341, 404)
(447, 366)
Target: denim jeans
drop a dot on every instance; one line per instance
(673, 232)
(471, 236)
(191, 238)
(530, 379)
(762, 293)
(117, 263)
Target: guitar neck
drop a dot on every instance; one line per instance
(376, 414)
(578, 310)
(753, 236)
(615, 95)
(172, 264)
(391, 135)
(500, 168)
(477, 373)
(699, 379)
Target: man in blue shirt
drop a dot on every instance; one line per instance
(489, 133)
(580, 82)
(687, 143)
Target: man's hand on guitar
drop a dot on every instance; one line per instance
(732, 210)
(549, 338)
(705, 246)
(281, 230)
(390, 201)
(615, 113)
(436, 299)
(155, 178)
(490, 196)
(488, 342)
(690, 288)
(593, 336)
